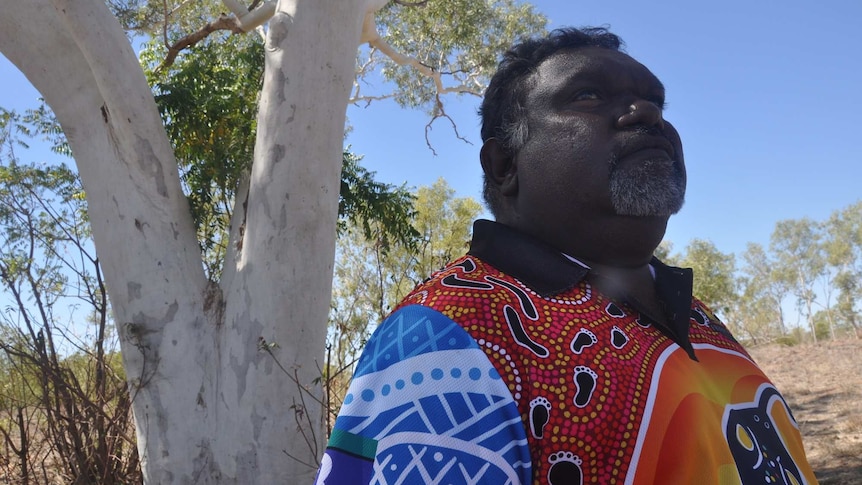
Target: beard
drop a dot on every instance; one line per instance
(651, 188)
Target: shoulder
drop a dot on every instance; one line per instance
(423, 390)
(410, 332)
(465, 281)
(708, 328)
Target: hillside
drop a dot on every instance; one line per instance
(823, 385)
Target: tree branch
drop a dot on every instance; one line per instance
(439, 112)
(372, 37)
(224, 22)
(368, 99)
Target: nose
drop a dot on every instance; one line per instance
(641, 113)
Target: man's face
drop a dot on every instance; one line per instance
(598, 145)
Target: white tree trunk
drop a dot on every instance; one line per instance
(279, 293)
(212, 403)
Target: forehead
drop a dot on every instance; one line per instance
(594, 64)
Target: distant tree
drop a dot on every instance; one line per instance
(822, 322)
(800, 261)
(714, 274)
(372, 275)
(762, 294)
(844, 253)
(444, 225)
(663, 252)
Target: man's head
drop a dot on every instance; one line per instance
(573, 132)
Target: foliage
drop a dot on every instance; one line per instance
(370, 281)
(760, 301)
(663, 253)
(714, 283)
(382, 211)
(815, 264)
(419, 51)
(800, 261)
(64, 405)
(167, 19)
(466, 51)
(208, 102)
(844, 253)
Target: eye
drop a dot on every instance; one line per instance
(588, 94)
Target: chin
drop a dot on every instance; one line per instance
(646, 207)
(639, 193)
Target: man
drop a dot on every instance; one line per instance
(558, 350)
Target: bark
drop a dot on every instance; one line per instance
(215, 379)
(278, 294)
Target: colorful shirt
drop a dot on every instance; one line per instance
(509, 367)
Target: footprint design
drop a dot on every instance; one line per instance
(615, 311)
(565, 469)
(585, 381)
(618, 338)
(699, 317)
(540, 414)
(583, 339)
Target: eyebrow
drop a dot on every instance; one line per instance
(591, 72)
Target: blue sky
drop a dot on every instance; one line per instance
(767, 96)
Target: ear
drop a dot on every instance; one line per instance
(499, 166)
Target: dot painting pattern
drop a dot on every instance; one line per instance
(578, 365)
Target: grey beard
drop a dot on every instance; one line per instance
(643, 191)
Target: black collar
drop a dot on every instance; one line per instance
(545, 270)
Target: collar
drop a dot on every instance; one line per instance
(548, 272)
(538, 265)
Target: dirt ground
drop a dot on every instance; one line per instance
(823, 385)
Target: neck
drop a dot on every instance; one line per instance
(619, 242)
(622, 242)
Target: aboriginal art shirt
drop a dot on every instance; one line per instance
(509, 367)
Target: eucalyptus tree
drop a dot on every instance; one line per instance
(443, 223)
(224, 371)
(800, 261)
(763, 291)
(714, 274)
(203, 98)
(844, 253)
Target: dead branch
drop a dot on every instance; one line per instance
(224, 22)
(469, 85)
(439, 112)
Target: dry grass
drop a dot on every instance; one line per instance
(823, 385)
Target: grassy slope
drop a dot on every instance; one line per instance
(823, 385)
